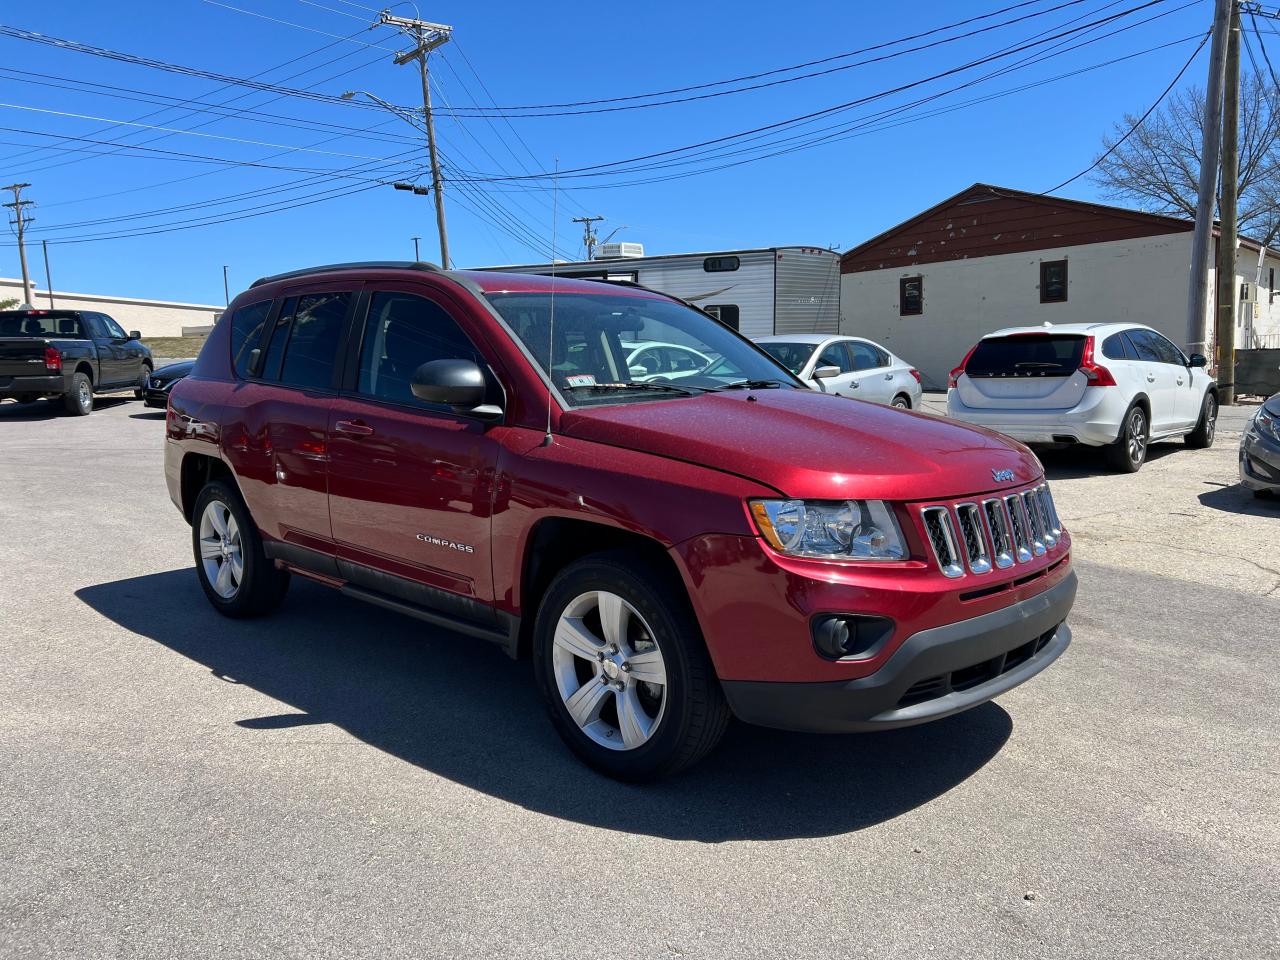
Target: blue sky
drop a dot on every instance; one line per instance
(837, 193)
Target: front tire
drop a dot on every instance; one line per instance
(1129, 452)
(78, 401)
(1202, 436)
(140, 391)
(234, 571)
(623, 669)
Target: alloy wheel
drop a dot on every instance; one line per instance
(84, 395)
(1137, 435)
(221, 555)
(609, 670)
(1210, 418)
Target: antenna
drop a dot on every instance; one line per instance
(551, 321)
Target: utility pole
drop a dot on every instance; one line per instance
(1197, 297)
(426, 37)
(48, 280)
(20, 221)
(417, 257)
(1225, 331)
(588, 234)
(226, 287)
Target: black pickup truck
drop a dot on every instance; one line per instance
(68, 354)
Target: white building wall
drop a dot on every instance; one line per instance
(1139, 281)
(153, 318)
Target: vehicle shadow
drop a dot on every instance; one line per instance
(1074, 463)
(465, 711)
(30, 412)
(1237, 498)
(149, 415)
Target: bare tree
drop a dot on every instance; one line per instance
(1158, 168)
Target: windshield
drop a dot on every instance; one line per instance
(1027, 355)
(18, 323)
(793, 356)
(611, 348)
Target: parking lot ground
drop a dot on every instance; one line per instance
(336, 781)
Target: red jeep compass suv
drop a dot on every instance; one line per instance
(473, 450)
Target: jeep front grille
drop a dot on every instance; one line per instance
(976, 538)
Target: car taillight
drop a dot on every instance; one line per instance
(52, 360)
(1095, 373)
(954, 375)
(915, 373)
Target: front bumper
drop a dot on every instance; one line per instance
(934, 673)
(1259, 461)
(152, 397)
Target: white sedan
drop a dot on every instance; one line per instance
(848, 366)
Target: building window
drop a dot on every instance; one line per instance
(911, 296)
(1053, 281)
(726, 313)
(720, 264)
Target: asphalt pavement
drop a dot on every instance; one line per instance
(337, 781)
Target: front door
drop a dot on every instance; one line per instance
(113, 363)
(843, 384)
(411, 483)
(1156, 378)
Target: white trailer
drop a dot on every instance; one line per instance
(757, 292)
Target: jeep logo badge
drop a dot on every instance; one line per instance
(1001, 476)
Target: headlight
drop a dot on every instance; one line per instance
(1267, 425)
(830, 529)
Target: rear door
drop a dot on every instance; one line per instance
(287, 408)
(871, 377)
(1157, 377)
(411, 483)
(1024, 371)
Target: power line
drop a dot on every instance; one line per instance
(1140, 121)
(297, 26)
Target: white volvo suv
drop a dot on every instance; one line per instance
(1117, 385)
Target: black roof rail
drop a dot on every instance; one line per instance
(359, 265)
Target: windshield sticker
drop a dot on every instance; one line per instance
(581, 380)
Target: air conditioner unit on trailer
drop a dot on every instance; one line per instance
(619, 251)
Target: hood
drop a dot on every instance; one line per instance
(814, 445)
(173, 371)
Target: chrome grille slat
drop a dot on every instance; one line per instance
(1051, 511)
(1018, 523)
(973, 537)
(1034, 523)
(937, 524)
(998, 529)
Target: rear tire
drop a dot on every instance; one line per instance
(1129, 452)
(607, 629)
(1202, 436)
(902, 402)
(78, 401)
(234, 571)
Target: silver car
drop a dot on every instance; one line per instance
(848, 366)
(1260, 450)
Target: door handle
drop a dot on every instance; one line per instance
(888, 376)
(353, 428)
(853, 384)
(1179, 381)
(1151, 378)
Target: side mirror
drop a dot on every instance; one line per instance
(638, 371)
(458, 384)
(825, 373)
(135, 335)
(1198, 360)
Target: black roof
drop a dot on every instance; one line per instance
(359, 265)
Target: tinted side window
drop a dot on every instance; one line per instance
(1167, 351)
(835, 355)
(1143, 346)
(402, 333)
(312, 350)
(865, 356)
(246, 330)
(113, 329)
(270, 369)
(1116, 347)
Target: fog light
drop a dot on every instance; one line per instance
(850, 636)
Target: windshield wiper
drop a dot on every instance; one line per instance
(1040, 366)
(640, 385)
(750, 385)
